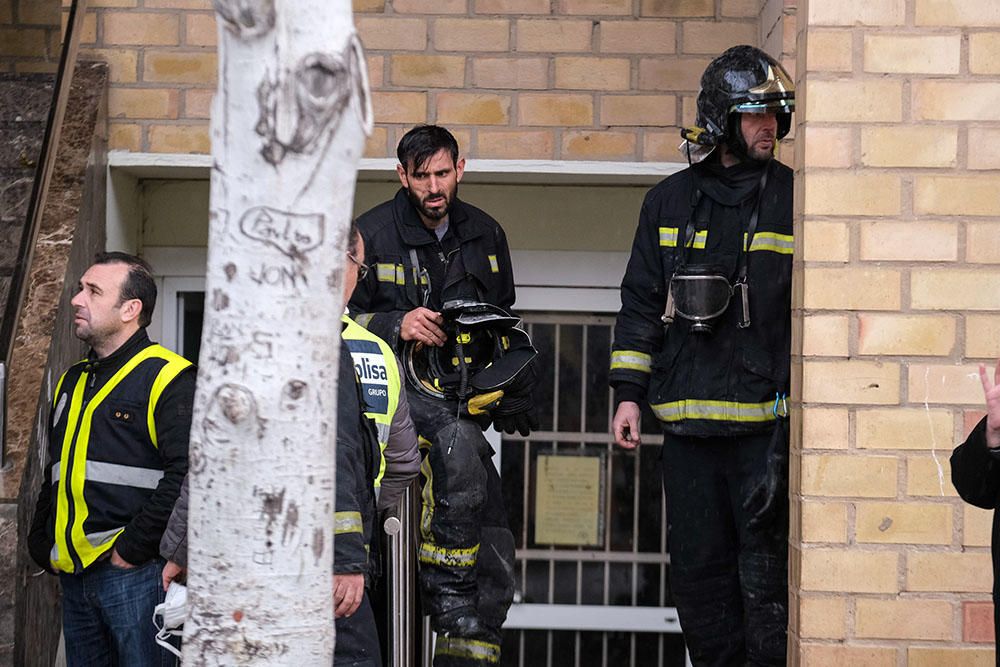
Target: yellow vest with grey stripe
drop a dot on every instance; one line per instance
(381, 382)
(103, 448)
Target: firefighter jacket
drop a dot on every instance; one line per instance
(386, 405)
(358, 459)
(118, 452)
(471, 261)
(723, 382)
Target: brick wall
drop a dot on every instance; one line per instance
(899, 122)
(535, 79)
(29, 36)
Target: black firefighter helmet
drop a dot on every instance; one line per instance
(743, 79)
(483, 353)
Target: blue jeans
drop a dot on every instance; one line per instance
(108, 616)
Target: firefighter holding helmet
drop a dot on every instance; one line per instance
(703, 336)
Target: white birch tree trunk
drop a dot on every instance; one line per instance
(288, 128)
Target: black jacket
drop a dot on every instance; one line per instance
(471, 261)
(975, 473)
(120, 443)
(723, 382)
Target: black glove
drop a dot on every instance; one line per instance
(769, 499)
(521, 422)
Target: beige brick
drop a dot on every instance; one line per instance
(368, 6)
(957, 13)
(984, 148)
(177, 67)
(714, 37)
(903, 523)
(835, 655)
(390, 34)
(825, 336)
(513, 6)
(854, 101)
(982, 336)
(741, 8)
(142, 103)
(909, 146)
(36, 66)
(595, 7)
(124, 137)
(824, 521)
(853, 12)
(847, 382)
(894, 334)
(122, 63)
(660, 146)
(38, 12)
(638, 36)
(853, 288)
(909, 241)
(430, 6)
(984, 53)
(472, 34)
(953, 100)
(956, 195)
(22, 42)
(392, 107)
(425, 70)
(198, 102)
(173, 4)
(179, 139)
(598, 145)
(654, 110)
(6, 11)
(376, 70)
(835, 475)
(849, 571)
(904, 428)
(949, 385)
(828, 146)
(944, 657)
(200, 30)
(671, 74)
(954, 289)
(851, 193)
(553, 109)
(825, 428)
(375, 145)
(926, 620)
(88, 33)
(822, 618)
(982, 242)
(912, 54)
(677, 8)
(512, 73)
(141, 28)
(930, 475)
(825, 241)
(977, 526)
(553, 35)
(952, 572)
(473, 109)
(94, 4)
(520, 144)
(602, 74)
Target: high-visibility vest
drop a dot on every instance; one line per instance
(381, 382)
(104, 455)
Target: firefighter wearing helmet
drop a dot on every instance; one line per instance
(703, 336)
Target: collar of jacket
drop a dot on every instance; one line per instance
(111, 363)
(411, 227)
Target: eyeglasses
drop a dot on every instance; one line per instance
(363, 268)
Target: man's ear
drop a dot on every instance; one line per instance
(131, 310)
(459, 168)
(401, 172)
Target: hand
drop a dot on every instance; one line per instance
(172, 571)
(118, 561)
(348, 590)
(625, 426)
(992, 392)
(424, 326)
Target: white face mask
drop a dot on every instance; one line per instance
(172, 612)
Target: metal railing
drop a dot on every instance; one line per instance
(400, 527)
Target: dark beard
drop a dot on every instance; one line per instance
(436, 214)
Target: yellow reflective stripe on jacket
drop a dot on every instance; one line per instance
(714, 411)
(668, 238)
(435, 555)
(63, 561)
(385, 273)
(347, 522)
(494, 265)
(783, 244)
(470, 649)
(171, 370)
(631, 360)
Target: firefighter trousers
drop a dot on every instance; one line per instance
(729, 582)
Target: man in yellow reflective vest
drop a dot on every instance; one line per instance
(118, 452)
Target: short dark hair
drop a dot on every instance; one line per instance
(352, 238)
(421, 144)
(138, 285)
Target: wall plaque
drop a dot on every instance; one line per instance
(569, 500)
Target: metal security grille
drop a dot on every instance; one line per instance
(630, 569)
